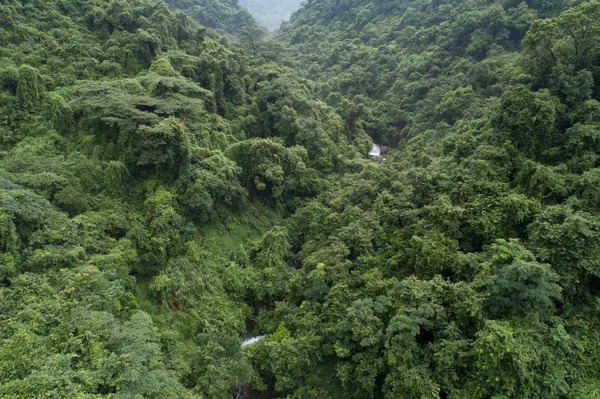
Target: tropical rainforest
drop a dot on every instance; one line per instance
(175, 180)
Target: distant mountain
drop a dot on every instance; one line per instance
(271, 13)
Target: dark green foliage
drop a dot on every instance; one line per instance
(271, 170)
(414, 60)
(518, 284)
(465, 266)
(224, 16)
(28, 90)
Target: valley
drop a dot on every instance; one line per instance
(381, 199)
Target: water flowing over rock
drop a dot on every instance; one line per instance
(376, 153)
(253, 339)
(375, 150)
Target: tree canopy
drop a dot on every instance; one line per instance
(168, 193)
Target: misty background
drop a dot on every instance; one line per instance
(271, 13)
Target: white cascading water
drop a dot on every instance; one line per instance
(375, 151)
(375, 154)
(251, 340)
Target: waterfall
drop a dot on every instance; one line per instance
(375, 151)
(253, 339)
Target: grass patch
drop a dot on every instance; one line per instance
(224, 238)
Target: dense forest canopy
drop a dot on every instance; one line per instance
(224, 16)
(167, 192)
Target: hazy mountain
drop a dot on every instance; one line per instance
(271, 13)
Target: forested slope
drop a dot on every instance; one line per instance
(163, 194)
(465, 266)
(399, 61)
(224, 16)
(132, 140)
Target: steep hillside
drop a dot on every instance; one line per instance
(466, 265)
(224, 16)
(132, 139)
(399, 59)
